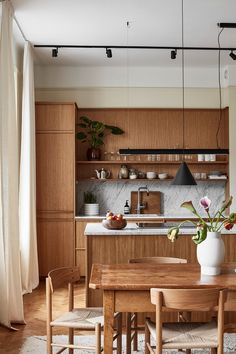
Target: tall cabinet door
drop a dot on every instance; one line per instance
(55, 181)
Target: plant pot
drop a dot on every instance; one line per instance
(93, 154)
(210, 254)
(91, 209)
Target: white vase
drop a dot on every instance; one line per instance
(91, 209)
(210, 254)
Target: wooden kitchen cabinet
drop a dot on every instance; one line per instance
(55, 244)
(200, 129)
(55, 184)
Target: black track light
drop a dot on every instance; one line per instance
(54, 52)
(108, 53)
(232, 55)
(173, 54)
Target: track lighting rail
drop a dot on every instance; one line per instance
(132, 47)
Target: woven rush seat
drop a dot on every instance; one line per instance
(82, 318)
(185, 335)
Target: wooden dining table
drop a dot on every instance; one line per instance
(126, 287)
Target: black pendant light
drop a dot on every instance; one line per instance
(183, 176)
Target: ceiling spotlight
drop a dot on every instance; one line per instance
(54, 52)
(232, 55)
(108, 53)
(173, 54)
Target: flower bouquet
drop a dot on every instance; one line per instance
(212, 223)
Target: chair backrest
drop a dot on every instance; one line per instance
(188, 299)
(158, 260)
(62, 276)
(201, 299)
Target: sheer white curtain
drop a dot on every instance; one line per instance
(27, 197)
(11, 302)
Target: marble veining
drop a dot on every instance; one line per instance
(112, 196)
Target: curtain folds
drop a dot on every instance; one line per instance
(27, 196)
(11, 302)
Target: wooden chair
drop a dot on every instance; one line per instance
(186, 335)
(131, 318)
(87, 319)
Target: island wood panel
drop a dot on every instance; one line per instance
(55, 244)
(119, 249)
(55, 116)
(80, 246)
(201, 127)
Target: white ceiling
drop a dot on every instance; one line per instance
(103, 22)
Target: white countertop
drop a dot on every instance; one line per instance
(132, 229)
(144, 216)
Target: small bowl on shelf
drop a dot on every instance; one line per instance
(114, 224)
(163, 175)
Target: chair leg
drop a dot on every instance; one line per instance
(213, 351)
(49, 339)
(119, 332)
(98, 348)
(135, 338)
(128, 333)
(147, 339)
(71, 339)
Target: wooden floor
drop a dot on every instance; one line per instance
(35, 316)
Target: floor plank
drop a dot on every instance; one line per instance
(35, 317)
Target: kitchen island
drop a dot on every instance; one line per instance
(118, 246)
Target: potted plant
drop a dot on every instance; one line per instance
(94, 133)
(210, 246)
(91, 207)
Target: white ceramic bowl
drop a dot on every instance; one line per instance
(151, 175)
(163, 175)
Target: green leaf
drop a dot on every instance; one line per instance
(173, 233)
(188, 205)
(86, 119)
(82, 125)
(201, 235)
(226, 204)
(81, 136)
(114, 130)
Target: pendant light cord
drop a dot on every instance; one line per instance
(220, 90)
(183, 77)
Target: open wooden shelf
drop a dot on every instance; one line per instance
(144, 179)
(122, 162)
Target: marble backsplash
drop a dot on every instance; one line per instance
(112, 196)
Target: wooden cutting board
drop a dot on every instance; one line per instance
(153, 202)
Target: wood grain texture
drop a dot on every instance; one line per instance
(55, 174)
(55, 244)
(119, 249)
(55, 116)
(55, 184)
(201, 128)
(159, 128)
(152, 202)
(80, 246)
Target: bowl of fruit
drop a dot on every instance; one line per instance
(114, 222)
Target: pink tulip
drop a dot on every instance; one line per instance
(205, 202)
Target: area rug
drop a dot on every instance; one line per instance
(37, 345)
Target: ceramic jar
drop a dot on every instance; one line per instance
(210, 254)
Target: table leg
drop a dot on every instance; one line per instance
(108, 304)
